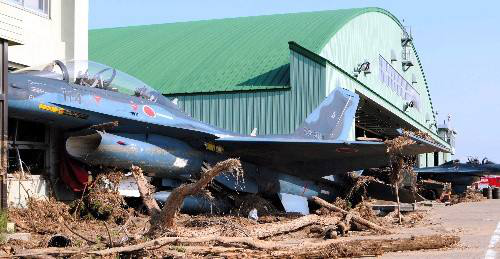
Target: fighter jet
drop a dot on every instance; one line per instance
(460, 175)
(112, 119)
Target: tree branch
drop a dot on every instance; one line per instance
(174, 201)
(146, 191)
(356, 218)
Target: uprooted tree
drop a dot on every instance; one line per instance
(400, 164)
(164, 219)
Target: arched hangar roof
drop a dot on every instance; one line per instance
(234, 54)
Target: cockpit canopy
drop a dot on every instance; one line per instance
(475, 161)
(93, 74)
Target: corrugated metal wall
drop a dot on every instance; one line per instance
(365, 38)
(272, 111)
(281, 111)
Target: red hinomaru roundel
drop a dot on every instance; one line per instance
(148, 111)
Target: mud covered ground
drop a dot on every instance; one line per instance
(321, 234)
(101, 224)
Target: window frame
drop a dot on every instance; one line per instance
(21, 5)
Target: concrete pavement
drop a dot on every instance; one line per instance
(476, 223)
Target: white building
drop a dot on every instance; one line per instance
(47, 30)
(38, 32)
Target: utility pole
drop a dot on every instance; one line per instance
(4, 137)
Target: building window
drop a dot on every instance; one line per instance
(39, 6)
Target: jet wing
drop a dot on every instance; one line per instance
(288, 154)
(422, 144)
(316, 157)
(454, 171)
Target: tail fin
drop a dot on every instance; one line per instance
(332, 119)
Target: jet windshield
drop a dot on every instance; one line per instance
(93, 74)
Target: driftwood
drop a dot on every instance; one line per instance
(174, 201)
(356, 218)
(272, 229)
(47, 251)
(43, 256)
(248, 241)
(413, 243)
(373, 247)
(328, 248)
(225, 241)
(146, 191)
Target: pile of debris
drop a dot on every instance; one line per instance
(100, 216)
(469, 195)
(100, 224)
(211, 235)
(101, 199)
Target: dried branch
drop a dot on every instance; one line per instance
(356, 218)
(146, 191)
(399, 163)
(79, 235)
(174, 201)
(272, 229)
(329, 248)
(110, 241)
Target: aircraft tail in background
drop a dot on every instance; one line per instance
(332, 119)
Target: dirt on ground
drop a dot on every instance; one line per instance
(101, 224)
(272, 235)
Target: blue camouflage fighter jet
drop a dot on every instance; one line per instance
(110, 118)
(460, 175)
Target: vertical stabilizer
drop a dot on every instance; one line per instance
(332, 119)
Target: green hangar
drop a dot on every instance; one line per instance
(265, 74)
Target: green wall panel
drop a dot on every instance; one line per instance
(272, 111)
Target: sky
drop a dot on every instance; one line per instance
(457, 42)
